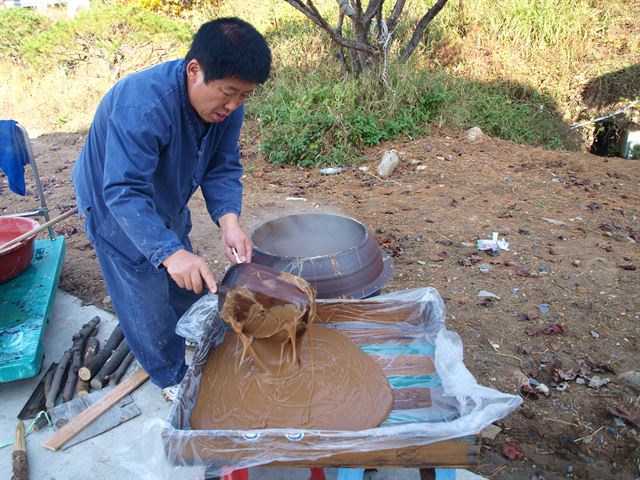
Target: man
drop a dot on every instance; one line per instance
(156, 137)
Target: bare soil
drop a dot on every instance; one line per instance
(428, 219)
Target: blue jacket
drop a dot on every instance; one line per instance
(146, 154)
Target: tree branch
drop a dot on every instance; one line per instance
(395, 14)
(310, 10)
(374, 7)
(420, 28)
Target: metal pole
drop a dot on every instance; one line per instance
(43, 204)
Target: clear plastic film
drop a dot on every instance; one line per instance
(435, 397)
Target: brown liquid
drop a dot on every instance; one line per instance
(325, 382)
(348, 391)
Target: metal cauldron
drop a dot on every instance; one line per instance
(336, 254)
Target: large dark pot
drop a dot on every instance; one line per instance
(336, 254)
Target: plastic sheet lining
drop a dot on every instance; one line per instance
(435, 397)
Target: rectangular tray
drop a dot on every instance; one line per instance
(398, 332)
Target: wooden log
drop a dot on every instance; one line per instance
(115, 377)
(84, 418)
(90, 350)
(72, 374)
(79, 342)
(56, 382)
(19, 455)
(87, 373)
(36, 402)
(49, 378)
(102, 377)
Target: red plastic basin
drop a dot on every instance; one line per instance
(16, 259)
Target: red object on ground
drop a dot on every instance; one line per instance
(241, 474)
(317, 474)
(15, 260)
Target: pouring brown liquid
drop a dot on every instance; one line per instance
(296, 374)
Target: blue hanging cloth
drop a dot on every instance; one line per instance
(13, 155)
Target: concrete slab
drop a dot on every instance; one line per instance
(103, 457)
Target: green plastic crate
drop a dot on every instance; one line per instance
(26, 303)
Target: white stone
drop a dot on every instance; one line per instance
(474, 135)
(390, 160)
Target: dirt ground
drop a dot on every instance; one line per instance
(568, 286)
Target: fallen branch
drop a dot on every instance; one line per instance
(79, 342)
(56, 382)
(90, 350)
(115, 377)
(88, 372)
(101, 378)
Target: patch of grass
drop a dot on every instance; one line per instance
(328, 120)
(506, 110)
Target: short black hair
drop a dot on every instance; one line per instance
(231, 47)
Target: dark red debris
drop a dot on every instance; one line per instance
(550, 329)
(630, 267)
(512, 451)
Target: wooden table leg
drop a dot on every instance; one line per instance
(427, 474)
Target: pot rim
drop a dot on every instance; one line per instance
(34, 224)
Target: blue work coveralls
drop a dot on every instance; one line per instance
(146, 154)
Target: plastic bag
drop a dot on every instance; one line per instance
(195, 321)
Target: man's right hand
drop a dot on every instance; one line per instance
(190, 271)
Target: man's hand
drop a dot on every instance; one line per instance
(234, 237)
(190, 271)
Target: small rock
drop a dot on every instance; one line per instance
(485, 294)
(631, 378)
(594, 334)
(544, 308)
(474, 135)
(597, 381)
(484, 267)
(388, 164)
(553, 221)
(421, 168)
(543, 389)
(527, 412)
(491, 432)
(580, 381)
(575, 263)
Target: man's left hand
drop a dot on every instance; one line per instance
(234, 237)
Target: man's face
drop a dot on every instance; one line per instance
(215, 100)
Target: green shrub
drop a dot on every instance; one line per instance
(103, 33)
(328, 121)
(18, 25)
